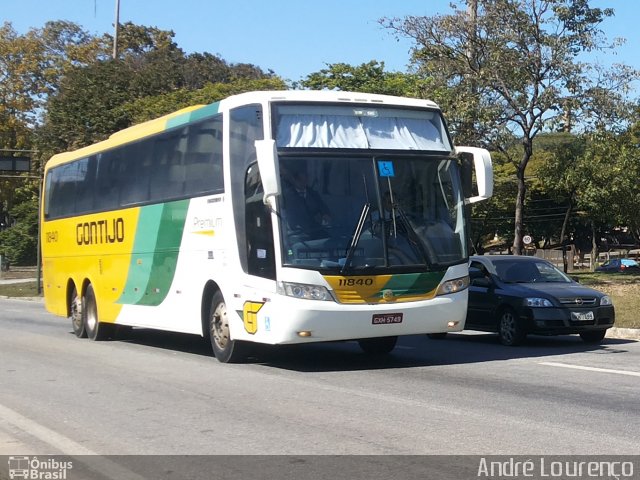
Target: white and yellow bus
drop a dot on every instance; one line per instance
(271, 217)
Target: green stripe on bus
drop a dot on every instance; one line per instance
(193, 116)
(165, 257)
(155, 253)
(413, 283)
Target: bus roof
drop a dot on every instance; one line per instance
(197, 112)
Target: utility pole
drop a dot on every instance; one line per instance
(115, 35)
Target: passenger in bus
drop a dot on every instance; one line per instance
(305, 212)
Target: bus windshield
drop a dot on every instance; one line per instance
(389, 212)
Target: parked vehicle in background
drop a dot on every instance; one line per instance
(516, 296)
(619, 265)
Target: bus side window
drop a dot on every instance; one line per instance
(108, 188)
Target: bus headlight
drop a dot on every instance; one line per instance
(453, 286)
(302, 290)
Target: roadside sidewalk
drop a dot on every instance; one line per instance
(8, 281)
(624, 333)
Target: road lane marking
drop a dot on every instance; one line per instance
(60, 442)
(591, 369)
(88, 457)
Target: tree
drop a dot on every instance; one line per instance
(18, 243)
(147, 108)
(368, 77)
(515, 66)
(95, 100)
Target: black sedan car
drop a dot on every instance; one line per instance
(518, 295)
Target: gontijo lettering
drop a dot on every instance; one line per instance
(102, 231)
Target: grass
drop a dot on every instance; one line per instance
(27, 289)
(624, 289)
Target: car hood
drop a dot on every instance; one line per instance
(557, 290)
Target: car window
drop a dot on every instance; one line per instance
(529, 272)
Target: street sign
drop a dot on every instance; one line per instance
(527, 239)
(15, 164)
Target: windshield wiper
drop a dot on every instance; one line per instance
(355, 238)
(412, 235)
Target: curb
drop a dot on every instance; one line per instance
(26, 299)
(624, 333)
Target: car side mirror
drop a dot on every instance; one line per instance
(478, 278)
(483, 282)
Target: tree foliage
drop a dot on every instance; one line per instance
(61, 90)
(514, 66)
(368, 77)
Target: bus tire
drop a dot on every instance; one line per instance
(95, 329)
(224, 348)
(77, 321)
(378, 346)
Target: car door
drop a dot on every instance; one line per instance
(481, 299)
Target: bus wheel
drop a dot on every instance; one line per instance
(77, 321)
(95, 329)
(377, 346)
(224, 349)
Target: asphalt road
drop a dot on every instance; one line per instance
(161, 393)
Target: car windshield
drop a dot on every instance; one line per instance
(534, 271)
(347, 212)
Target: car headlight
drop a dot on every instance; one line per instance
(537, 302)
(302, 290)
(606, 300)
(453, 286)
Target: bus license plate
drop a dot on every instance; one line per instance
(582, 316)
(386, 318)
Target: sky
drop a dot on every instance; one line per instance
(292, 38)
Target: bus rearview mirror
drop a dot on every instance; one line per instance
(483, 167)
(269, 170)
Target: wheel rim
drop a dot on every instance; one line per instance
(76, 312)
(508, 327)
(220, 326)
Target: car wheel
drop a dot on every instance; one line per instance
(510, 328)
(437, 336)
(378, 346)
(224, 349)
(593, 336)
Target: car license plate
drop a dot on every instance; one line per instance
(386, 318)
(582, 316)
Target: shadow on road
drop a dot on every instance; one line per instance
(411, 351)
